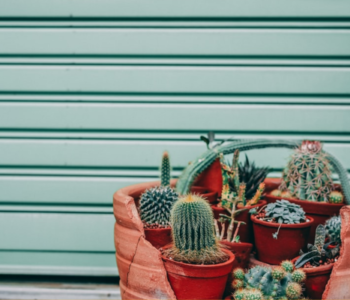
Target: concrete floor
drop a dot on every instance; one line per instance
(30, 290)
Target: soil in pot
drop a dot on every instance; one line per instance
(316, 279)
(319, 211)
(158, 237)
(198, 281)
(246, 234)
(291, 238)
(210, 196)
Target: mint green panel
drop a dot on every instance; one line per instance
(155, 79)
(194, 42)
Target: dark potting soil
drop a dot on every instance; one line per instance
(154, 226)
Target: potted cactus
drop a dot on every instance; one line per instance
(281, 229)
(197, 266)
(319, 260)
(259, 283)
(307, 181)
(235, 194)
(155, 207)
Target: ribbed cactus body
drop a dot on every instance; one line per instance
(336, 197)
(165, 170)
(308, 173)
(193, 232)
(333, 229)
(277, 283)
(156, 204)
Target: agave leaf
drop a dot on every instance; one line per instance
(302, 260)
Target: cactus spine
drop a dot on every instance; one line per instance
(278, 283)
(193, 232)
(333, 229)
(156, 203)
(308, 173)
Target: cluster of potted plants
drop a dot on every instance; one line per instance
(205, 233)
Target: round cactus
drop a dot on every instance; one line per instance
(336, 197)
(193, 232)
(278, 273)
(239, 273)
(298, 276)
(308, 173)
(293, 290)
(156, 204)
(333, 229)
(237, 284)
(276, 193)
(287, 265)
(240, 294)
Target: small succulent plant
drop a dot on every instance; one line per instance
(260, 283)
(333, 229)
(336, 197)
(193, 232)
(319, 252)
(156, 203)
(285, 212)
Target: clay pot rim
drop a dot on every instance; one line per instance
(243, 244)
(276, 225)
(319, 204)
(203, 267)
(316, 270)
(158, 229)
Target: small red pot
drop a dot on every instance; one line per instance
(210, 196)
(158, 237)
(319, 211)
(241, 252)
(291, 238)
(316, 279)
(246, 234)
(198, 281)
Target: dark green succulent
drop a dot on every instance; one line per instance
(285, 212)
(252, 176)
(333, 228)
(317, 252)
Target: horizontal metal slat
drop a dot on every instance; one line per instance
(178, 9)
(57, 232)
(176, 80)
(176, 42)
(178, 117)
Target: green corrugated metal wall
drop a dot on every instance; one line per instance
(92, 92)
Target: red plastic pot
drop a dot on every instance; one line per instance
(316, 280)
(246, 234)
(241, 252)
(291, 238)
(158, 237)
(319, 211)
(198, 281)
(210, 196)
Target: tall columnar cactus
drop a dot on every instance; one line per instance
(165, 170)
(308, 173)
(281, 282)
(193, 232)
(333, 229)
(156, 203)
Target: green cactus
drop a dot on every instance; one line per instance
(193, 232)
(156, 203)
(308, 173)
(336, 197)
(333, 229)
(278, 283)
(165, 170)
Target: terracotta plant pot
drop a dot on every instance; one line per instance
(319, 211)
(210, 196)
(141, 269)
(291, 238)
(241, 252)
(246, 234)
(198, 281)
(158, 237)
(316, 280)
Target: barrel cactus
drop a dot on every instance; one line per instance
(336, 197)
(282, 282)
(156, 203)
(308, 173)
(333, 228)
(193, 232)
